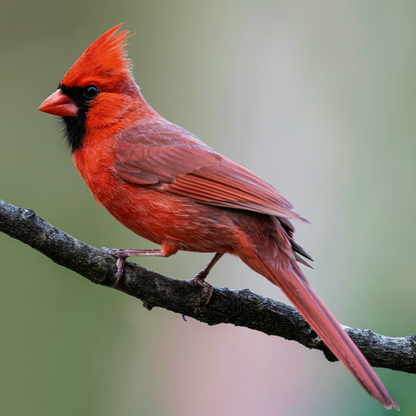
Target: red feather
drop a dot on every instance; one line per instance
(104, 63)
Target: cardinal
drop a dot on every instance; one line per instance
(166, 185)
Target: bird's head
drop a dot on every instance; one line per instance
(97, 81)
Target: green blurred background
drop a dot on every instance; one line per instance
(318, 98)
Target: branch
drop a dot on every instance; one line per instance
(240, 308)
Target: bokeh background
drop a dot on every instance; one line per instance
(317, 97)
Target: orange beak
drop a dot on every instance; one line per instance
(58, 104)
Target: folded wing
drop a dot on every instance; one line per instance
(170, 158)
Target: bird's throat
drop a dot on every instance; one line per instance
(74, 129)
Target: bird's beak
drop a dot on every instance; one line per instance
(59, 104)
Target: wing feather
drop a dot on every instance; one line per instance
(166, 156)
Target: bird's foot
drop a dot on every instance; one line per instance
(121, 255)
(200, 280)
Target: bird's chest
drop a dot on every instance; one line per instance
(96, 165)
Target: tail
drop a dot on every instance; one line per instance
(295, 286)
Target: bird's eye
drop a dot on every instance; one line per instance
(90, 92)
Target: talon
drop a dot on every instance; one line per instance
(121, 260)
(201, 276)
(199, 279)
(123, 254)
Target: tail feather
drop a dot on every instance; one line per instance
(297, 289)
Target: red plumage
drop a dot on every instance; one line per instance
(166, 185)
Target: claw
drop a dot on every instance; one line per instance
(201, 276)
(123, 254)
(200, 280)
(121, 260)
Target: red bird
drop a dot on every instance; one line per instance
(166, 185)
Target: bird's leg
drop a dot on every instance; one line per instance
(201, 276)
(122, 255)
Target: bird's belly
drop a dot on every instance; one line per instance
(161, 216)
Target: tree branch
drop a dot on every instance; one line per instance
(240, 308)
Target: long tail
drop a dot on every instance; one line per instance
(295, 286)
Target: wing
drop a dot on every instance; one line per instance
(170, 158)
